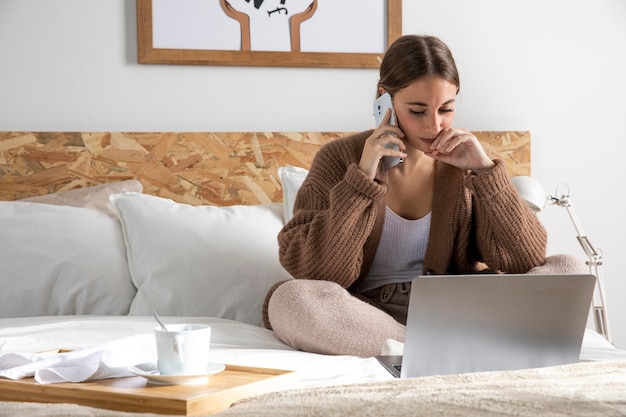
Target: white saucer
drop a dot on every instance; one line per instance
(154, 377)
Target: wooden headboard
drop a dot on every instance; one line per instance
(188, 167)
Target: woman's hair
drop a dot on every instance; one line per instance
(413, 56)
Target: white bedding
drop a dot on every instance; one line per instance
(232, 342)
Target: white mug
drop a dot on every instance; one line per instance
(183, 349)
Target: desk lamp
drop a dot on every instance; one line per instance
(533, 194)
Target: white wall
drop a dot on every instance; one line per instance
(555, 68)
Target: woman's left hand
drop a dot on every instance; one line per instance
(460, 148)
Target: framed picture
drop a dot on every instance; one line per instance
(286, 33)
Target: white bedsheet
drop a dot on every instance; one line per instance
(231, 343)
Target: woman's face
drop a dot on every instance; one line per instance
(423, 109)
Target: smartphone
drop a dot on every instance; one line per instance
(381, 104)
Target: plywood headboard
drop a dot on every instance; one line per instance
(188, 167)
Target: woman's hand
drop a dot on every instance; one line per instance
(377, 146)
(460, 148)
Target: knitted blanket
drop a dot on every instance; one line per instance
(582, 390)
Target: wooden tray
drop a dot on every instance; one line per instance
(135, 394)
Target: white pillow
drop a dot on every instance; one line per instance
(61, 260)
(95, 197)
(291, 179)
(200, 260)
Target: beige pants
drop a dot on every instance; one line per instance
(323, 317)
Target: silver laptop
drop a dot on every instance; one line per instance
(471, 323)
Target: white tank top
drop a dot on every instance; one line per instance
(400, 253)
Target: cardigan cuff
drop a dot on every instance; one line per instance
(363, 184)
(489, 182)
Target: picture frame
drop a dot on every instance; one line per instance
(148, 52)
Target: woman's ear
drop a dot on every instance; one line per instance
(381, 91)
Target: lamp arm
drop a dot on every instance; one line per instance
(595, 262)
(595, 257)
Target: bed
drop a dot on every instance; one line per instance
(227, 185)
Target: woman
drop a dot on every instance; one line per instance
(360, 234)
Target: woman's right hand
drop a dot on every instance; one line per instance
(376, 146)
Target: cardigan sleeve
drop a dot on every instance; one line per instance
(509, 237)
(334, 214)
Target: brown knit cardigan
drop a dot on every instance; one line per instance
(477, 221)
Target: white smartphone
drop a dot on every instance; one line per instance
(381, 104)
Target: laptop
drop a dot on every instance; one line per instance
(473, 323)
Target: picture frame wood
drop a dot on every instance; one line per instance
(148, 53)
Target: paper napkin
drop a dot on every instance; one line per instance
(109, 360)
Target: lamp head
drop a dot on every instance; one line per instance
(531, 192)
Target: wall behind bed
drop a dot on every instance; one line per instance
(554, 68)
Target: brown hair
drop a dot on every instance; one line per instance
(414, 56)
